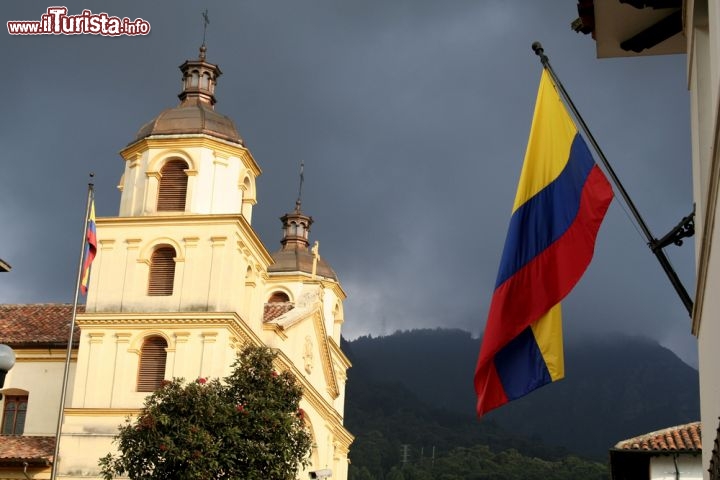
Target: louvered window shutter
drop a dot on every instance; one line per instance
(152, 364)
(162, 272)
(173, 187)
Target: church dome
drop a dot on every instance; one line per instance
(196, 113)
(298, 260)
(191, 119)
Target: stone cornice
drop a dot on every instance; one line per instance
(310, 394)
(101, 412)
(44, 355)
(42, 352)
(338, 353)
(130, 321)
(335, 287)
(307, 279)
(327, 363)
(344, 438)
(276, 329)
(189, 141)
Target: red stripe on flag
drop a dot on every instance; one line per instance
(549, 277)
(542, 283)
(490, 391)
(90, 251)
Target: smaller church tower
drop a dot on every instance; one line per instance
(295, 254)
(304, 313)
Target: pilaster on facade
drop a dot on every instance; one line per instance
(120, 375)
(207, 356)
(221, 275)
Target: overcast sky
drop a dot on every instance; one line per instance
(412, 118)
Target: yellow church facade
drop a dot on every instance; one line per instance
(180, 283)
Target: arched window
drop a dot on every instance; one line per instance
(247, 186)
(278, 297)
(152, 364)
(173, 187)
(162, 271)
(248, 273)
(14, 412)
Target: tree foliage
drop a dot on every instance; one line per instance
(248, 425)
(481, 463)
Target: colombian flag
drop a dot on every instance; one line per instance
(90, 249)
(561, 200)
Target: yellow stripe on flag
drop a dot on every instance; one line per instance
(548, 336)
(549, 145)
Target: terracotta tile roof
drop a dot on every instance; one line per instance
(274, 309)
(685, 438)
(34, 450)
(36, 324)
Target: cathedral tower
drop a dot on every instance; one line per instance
(181, 281)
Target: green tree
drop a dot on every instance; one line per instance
(361, 473)
(395, 474)
(248, 426)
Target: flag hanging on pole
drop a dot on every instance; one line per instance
(561, 200)
(90, 249)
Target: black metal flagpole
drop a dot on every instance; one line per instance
(682, 230)
(68, 352)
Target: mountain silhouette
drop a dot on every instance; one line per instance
(614, 388)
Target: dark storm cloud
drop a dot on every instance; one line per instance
(411, 118)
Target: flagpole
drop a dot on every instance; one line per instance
(652, 242)
(68, 354)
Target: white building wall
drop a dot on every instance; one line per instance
(40, 378)
(682, 467)
(709, 355)
(702, 23)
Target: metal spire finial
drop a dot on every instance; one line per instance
(298, 202)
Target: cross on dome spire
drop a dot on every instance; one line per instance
(298, 202)
(206, 22)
